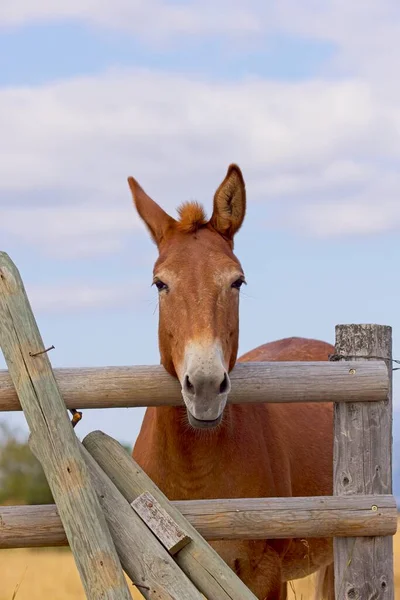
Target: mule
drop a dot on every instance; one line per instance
(208, 448)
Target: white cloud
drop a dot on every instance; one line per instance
(365, 32)
(334, 175)
(325, 148)
(331, 219)
(71, 134)
(309, 142)
(147, 18)
(70, 232)
(374, 210)
(362, 30)
(83, 296)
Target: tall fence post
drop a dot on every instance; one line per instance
(362, 465)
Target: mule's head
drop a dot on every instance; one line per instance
(198, 279)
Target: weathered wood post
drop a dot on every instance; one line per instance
(55, 444)
(362, 465)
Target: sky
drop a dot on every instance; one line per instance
(303, 97)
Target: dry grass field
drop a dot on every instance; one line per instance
(51, 574)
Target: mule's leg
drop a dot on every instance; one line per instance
(279, 593)
(263, 575)
(325, 584)
(257, 564)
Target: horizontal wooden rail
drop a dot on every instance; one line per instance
(113, 387)
(243, 518)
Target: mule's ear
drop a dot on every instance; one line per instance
(229, 204)
(158, 222)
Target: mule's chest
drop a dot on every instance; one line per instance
(219, 475)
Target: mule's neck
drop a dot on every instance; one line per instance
(181, 460)
(171, 431)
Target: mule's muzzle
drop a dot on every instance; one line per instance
(205, 396)
(200, 385)
(203, 423)
(205, 385)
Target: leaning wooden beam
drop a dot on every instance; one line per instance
(363, 465)
(240, 518)
(198, 560)
(113, 387)
(149, 565)
(54, 442)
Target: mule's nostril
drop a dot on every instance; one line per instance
(200, 386)
(188, 384)
(223, 388)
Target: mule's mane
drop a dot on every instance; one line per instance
(191, 217)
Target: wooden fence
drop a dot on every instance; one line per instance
(361, 516)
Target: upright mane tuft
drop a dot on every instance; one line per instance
(191, 217)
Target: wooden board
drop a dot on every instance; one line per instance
(160, 523)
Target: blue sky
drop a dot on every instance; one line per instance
(303, 100)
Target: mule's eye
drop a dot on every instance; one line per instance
(160, 285)
(238, 283)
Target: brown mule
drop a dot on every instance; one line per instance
(209, 449)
